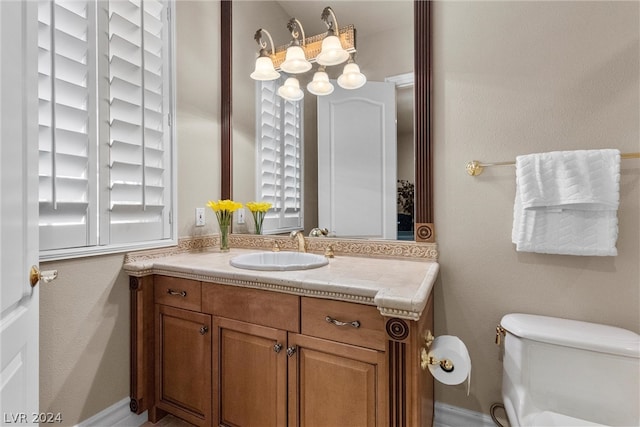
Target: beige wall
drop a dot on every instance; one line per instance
(509, 79)
(84, 314)
(514, 78)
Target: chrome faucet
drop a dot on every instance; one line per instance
(302, 243)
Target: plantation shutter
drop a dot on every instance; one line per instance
(291, 163)
(279, 143)
(67, 121)
(138, 121)
(105, 138)
(269, 143)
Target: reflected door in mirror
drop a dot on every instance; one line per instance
(357, 162)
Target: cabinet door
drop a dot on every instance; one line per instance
(183, 364)
(250, 367)
(335, 384)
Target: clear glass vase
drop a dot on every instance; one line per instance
(224, 238)
(258, 218)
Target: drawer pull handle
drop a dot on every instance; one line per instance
(337, 322)
(177, 293)
(204, 330)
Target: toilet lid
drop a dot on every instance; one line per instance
(573, 333)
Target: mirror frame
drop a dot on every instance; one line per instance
(424, 229)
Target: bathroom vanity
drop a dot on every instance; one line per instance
(220, 346)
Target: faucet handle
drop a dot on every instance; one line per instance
(328, 252)
(318, 232)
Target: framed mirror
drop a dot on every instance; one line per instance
(422, 155)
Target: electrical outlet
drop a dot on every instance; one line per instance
(241, 216)
(200, 217)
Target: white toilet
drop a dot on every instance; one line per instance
(560, 372)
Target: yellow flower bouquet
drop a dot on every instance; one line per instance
(224, 210)
(258, 211)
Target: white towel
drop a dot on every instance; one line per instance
(566, 202)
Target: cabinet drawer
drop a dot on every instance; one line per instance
(176, 292)
(265, 308)
(322, 318)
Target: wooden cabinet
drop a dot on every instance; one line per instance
(234, 356)
(250, 371)
(333, 384)
(183, 364)
(340, 364)
(250, 357)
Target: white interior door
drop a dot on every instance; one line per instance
(18, 212)
(357, 161)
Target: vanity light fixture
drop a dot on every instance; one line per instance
(264, 65)
(331, 48)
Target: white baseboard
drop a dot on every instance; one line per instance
(119, 415)
(116, 415)
(453, 416)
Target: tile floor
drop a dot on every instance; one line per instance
(168, 421)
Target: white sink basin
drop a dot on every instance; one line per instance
(279, 261)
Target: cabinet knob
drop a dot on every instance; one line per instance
(291, 350)
(277, 347)
(204, 330)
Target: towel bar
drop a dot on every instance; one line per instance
(475, 167)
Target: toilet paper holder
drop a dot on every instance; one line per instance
(426, 359)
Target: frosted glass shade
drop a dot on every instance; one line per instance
(320, 85)
(264, 70)
(291, 90)
(351, 77)
(295, 61)
(332, 52)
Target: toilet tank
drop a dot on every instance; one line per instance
(578, 369)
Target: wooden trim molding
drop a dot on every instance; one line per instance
(422, 91)
(397, 384)
(425, 233)
(226, 100)
(142, 377)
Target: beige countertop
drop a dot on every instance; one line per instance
(399, 287)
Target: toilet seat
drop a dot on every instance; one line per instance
(553, 419)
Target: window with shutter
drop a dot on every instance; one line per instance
(105, 137)
(280, 144)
